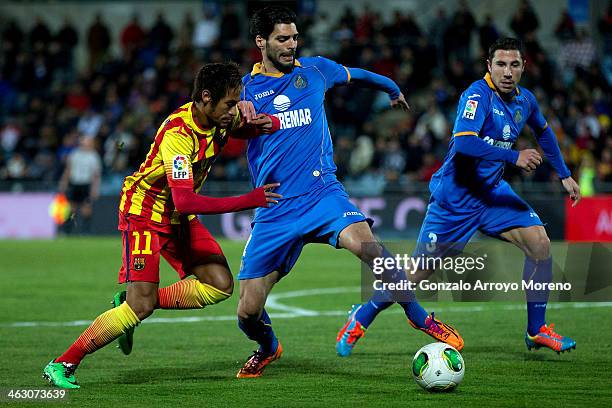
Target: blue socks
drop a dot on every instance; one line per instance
(415, 312)
(380, 301)
(538, 272)
(260, 331)
(368, 312)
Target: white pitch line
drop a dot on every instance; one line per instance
(291, 312)
(272, 302)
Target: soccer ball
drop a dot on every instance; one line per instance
(438, 367)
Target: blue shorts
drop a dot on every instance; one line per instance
(446, 232)
(318, 216)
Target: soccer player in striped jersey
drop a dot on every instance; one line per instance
(157, 216)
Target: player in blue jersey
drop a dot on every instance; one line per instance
(469, 195)
(315, 206)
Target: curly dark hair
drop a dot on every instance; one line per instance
(506, 44)
(263, 20)
(217, 78)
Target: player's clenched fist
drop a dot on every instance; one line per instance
(529, 159)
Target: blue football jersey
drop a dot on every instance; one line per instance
(464, 181)
(300, 154)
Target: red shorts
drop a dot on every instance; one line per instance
(188, 244)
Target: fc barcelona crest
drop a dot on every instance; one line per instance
(139, 263)
(300, 82)
(518, 116)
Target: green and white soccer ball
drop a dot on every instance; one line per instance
(438, 367)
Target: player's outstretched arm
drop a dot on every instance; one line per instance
(472, 145)
(528, 159)
(186, 201)
(175, 150)
(548, 142)
(370, 79)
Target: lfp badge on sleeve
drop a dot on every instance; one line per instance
(180, 168)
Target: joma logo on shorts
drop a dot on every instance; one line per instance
(352, 213)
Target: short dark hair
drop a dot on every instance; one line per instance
(264, 20)
(506, 43)
(218, 78)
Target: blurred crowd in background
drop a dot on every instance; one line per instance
(47, 105)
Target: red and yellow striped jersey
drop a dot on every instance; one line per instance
(181, 155)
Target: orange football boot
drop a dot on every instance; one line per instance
(440, 331)
(547, 337)
(255, 365)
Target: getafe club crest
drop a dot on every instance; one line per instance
(518, 116)
(300, 82)
(139, 263)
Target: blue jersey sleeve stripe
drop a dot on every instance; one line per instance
(348, 74)
(465, 134)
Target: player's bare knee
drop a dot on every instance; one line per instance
(539, 247)
(216, 274)
(226, 284)
(143, 307)
(248, 312)
(350, 244)
(358, 239)
(220, 279)
(142, 298)
(250, 306)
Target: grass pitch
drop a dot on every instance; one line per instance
(190, 358)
